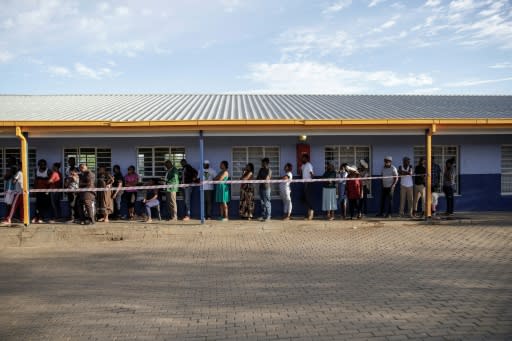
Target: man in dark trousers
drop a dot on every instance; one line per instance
(87, 198)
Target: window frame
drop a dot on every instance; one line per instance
(356, 158)
(65, 157)
(235, 194)
(509, 173)
(153, 159)
(444, 157)
(32, 164)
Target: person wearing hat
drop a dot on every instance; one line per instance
(389, 180)
(406, 187)
(354, 192)
(364, 173)
(209, 174)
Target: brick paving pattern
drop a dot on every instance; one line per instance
(296, 283)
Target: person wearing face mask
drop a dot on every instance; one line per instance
(389, 180)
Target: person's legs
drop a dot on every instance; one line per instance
(403, 194)
(351, 208)
(382, 201)
(208, 199)
(171, 205)
(265, 203)
(308, 200)
(363, 204)
(149, 204)
(187, 197)
(416, 198)
(448, 192)
(409, 199)
(435, 200)
(55, 204)
(390, 200)
(89, 206)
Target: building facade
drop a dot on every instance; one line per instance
(475, 130)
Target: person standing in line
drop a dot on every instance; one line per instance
(104, 198)
(406, 187)
(419, 186)
(308, 174)
(436, 186)
(87, 198)
(222, 194)
(131, 179)
(329, 192)
(354, 192)
(72, 182)
(190, 176)
(342, 190)
(71, 166)
(265, 173)
(172, 179)
(117, 195)
(285, 191)
(54, 182)
(209, 174)
(449, 185)
(42, 199)
(14, 194)
(246, 206)
(364, 173)
(389, 180)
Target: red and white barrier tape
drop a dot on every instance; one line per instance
(229, 182)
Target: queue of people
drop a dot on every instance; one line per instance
(348, 194)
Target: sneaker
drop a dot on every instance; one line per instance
(186, 218)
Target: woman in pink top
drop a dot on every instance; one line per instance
(131, 179)
(55, 181)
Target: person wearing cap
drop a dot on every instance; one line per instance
(389, 180)
(419, 186)
(364, 173)
(406, 187)
(208, 174)
(354, 192)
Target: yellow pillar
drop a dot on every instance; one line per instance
(24, 170)
(428, 151)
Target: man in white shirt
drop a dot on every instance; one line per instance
(406, 187)
(307, 174)
(209, 175)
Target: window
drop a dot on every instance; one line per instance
(150, 160)
(440, 155)
(241, 156)
(91, 156)
(506, 169)
(338, 155)
(5, 153)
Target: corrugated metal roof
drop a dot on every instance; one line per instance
(172, 107)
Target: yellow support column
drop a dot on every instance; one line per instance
(24, 170)
(428, 190)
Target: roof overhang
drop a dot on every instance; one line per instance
(256, 127)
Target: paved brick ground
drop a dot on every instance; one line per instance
(247, 283)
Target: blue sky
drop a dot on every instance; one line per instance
(256, 46)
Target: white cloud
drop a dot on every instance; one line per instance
(312, 77)
(504, 65)
(473, 82)
(462, 5)
(304, 42)
(424, 91)
(103, 6)
(8, 24)
(123, 11)
(123, 48)
(374, 3)
(387, 25)
(59, 71)
(432, 3)
(231, 5)
(88, 72)
(337, 6)
(5, 56)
